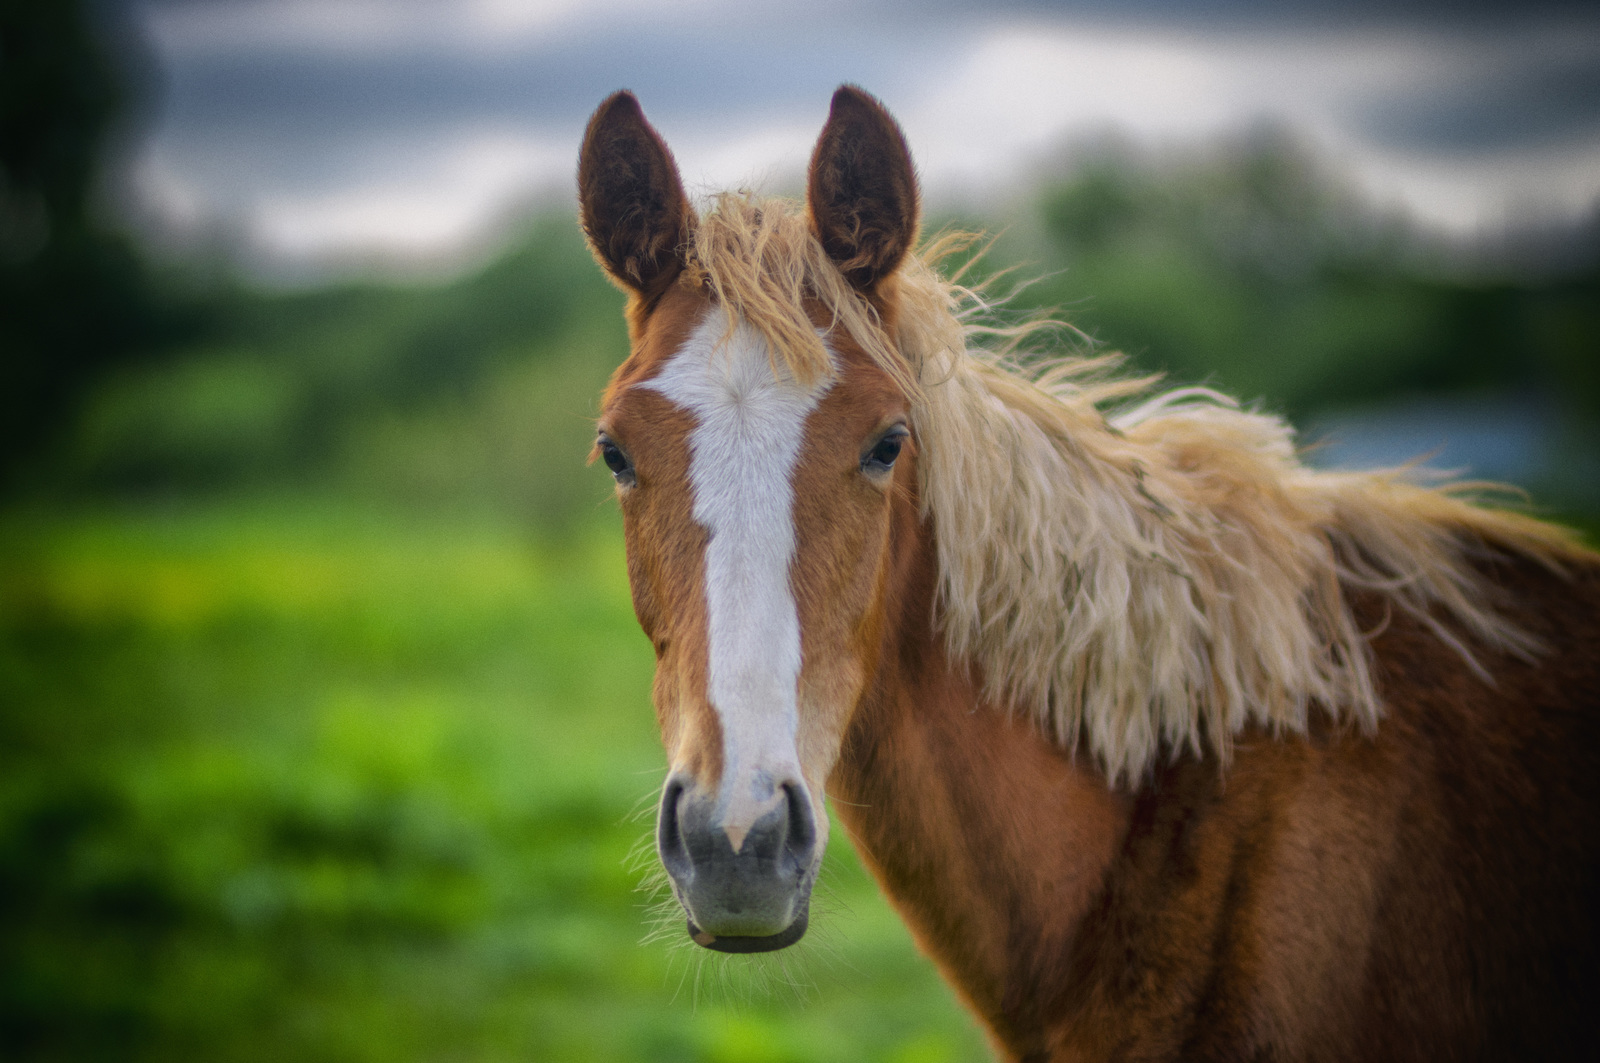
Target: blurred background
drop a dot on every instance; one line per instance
(324, 721)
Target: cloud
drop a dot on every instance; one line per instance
(1547, 100)
(339, 128)
(353, 27)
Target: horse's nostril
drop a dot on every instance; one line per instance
(669, 835)
(802, 823)
(744, 880)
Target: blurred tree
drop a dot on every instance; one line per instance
(74, 295)
(1250, 267)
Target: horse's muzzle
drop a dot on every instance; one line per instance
(755, 898)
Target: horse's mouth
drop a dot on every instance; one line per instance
(770, 943)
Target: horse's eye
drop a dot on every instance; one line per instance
(616, 461)
(613, 457)
(881, 457)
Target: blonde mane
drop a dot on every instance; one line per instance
(1154, 579)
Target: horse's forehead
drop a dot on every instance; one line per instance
(739, 395)
(672, 342)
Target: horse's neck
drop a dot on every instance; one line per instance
(990, 840)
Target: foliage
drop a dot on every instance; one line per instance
(475, 392)
(1248, 266)
(76, 297)
(289, 780)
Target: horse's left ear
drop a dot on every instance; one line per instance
(862, 189)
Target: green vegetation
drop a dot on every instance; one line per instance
(297, 780)
(475, 393)
(1250, 267)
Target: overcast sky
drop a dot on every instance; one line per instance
(318, 133)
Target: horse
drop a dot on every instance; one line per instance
(1163, 744)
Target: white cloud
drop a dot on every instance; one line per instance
(1486, 196)
(420, 211)
(1025, 90)
(435, 207)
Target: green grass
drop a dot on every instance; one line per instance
(291, 780)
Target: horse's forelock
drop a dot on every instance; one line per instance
(759, 259)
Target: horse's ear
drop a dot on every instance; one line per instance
(862, 189)
(631, 198)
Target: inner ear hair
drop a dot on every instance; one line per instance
(631, 198)
(862, 189)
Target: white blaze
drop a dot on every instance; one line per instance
(749, 424)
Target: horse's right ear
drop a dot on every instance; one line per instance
(631, 199)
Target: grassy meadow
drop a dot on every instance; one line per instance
(291, 779)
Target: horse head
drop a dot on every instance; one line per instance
(764, 466)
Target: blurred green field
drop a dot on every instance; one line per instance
(289, 778)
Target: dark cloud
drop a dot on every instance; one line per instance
(1433, 15)
(555, 83)
(740, 65)
(1509, 111)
